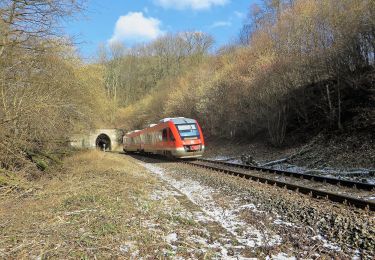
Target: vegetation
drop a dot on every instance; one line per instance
(105, 205)
(298, 64)
(101, 206)
(46, 92)
(141, 77)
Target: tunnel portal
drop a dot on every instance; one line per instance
(103, 142)
(111, 138)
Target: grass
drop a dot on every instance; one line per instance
(86, 211)
(103, 205)
(98, 205)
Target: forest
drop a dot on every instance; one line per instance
(297, 65)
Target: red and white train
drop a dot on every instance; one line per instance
(173, 137)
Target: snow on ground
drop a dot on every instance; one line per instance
(247, 236)
(326, 243)
(280, 256)
(360, 174)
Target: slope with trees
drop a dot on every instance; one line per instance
(299, 65)
(295, 58)
(46, 92)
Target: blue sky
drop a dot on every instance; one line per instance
(138, 21)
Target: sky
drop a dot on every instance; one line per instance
(141, 21)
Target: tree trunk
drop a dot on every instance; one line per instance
(339, 124)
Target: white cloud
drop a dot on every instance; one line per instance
(193, 4)
(221, 24)
(239, 14)
(135, 27)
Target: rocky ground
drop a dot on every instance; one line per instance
(106, 205)
(278, 222)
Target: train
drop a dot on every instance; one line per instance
(177, 137)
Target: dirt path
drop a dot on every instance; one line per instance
(113, 206)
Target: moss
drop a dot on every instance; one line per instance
(3, 181)
(40, 163)
(43, 159)
(51, 157)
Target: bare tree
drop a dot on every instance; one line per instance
(27, 20)
(43, 97)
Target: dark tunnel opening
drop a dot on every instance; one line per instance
(103, 142)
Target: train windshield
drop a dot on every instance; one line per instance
(188, 130)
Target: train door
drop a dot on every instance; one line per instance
(171, 138)
(164, 135)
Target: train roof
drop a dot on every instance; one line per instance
(179, 120)
(132, 132)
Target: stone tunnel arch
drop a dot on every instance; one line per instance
(94, 138)
(103, 141)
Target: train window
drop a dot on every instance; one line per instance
(165, 135)
(171, 136)
(188, 131)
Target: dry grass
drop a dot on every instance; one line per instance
(99, 208)
(104, 205)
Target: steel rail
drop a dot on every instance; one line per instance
(324, 179)
(344, 199)
(319, 194)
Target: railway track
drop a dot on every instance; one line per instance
(339, 195)
(264, 175)
(317, 178)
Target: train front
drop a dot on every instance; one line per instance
(190, 143)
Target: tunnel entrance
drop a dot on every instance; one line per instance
(103, 142)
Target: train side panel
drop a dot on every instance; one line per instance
(182, 140)
(132, 142)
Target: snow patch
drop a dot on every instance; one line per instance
(228, 218)
(281, 256)
(326, 243)
(285, 223)
(128, 247)
(163, 194)
(359, 174)
(171, 238)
